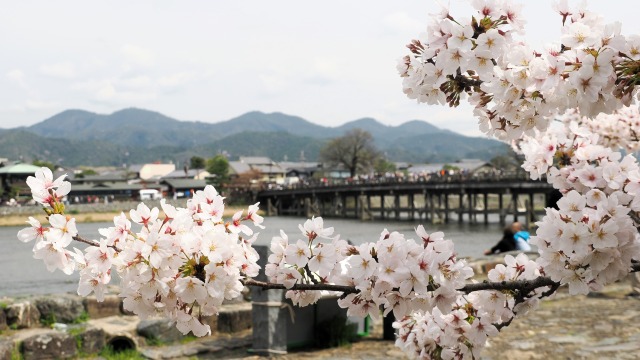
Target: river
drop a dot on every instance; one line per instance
(21, 274)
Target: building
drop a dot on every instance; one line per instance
(13, 177)
(178, 188)
(198, 174)
(301, 170)
(271, 171)
(148, 171)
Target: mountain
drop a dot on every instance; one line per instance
(78, 137)
(278, 145)
(257, 121)
(128, 127)
(446, 147)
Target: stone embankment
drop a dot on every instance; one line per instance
(67, 326)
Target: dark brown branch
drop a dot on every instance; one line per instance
(83, 240)
(467, 81)
(524, 286)
(93, 243)
(330, 287)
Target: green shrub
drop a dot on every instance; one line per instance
(83, 318)
(16, 354)
(48, 320)
(130, 354)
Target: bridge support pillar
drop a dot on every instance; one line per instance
(396, 205)
(501, 212)
(363, 213)
(460, 206)
(446, 208)
(486, 208)
(271, 210)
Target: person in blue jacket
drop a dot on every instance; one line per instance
(521, 237)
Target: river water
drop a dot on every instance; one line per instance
(21, 274)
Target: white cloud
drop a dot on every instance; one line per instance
(17, 76)
(110, 92)
(136, 82)
(139, 56)
(175, 79)
(401, 22)
(40, 105)
(61, 70)
(273, 83)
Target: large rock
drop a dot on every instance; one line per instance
(6, 348)
(60, 308)
(92, 340)
(162, 331)
(51, 345)
(23, 315)
(111, 306)
(3, 320)
(234, 318)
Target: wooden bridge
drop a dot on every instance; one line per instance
(435, 200)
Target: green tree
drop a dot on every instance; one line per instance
(196, 162)
(42, 163)
(355, 151)
(218, 167)
(383, 165)
(508, 162)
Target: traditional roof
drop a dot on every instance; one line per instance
(185, 183)
(239, 167)
(269, 169)
(306, 165)
(190, 173)
(20, 168)
(101, 187)
(256, 160)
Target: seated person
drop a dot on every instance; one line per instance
(521, 237)
(505, 244)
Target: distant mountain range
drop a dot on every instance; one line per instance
(78, 137)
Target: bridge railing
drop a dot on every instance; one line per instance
(433, 178)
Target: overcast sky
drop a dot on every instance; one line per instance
(329, 62)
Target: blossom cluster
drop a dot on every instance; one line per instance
(462, 331)
(418, 281)
(587, 81)
(591, 239)
(182, 265)
(515, 89)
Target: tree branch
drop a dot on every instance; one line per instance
(93, 243)
(329, 287)
(523, 287)
(83, 240)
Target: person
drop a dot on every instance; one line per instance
(521, 237)
(507, 243)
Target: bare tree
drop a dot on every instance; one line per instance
(355, 151)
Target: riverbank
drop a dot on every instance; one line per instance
(604, 324)
(88, 213)
(601, 325)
